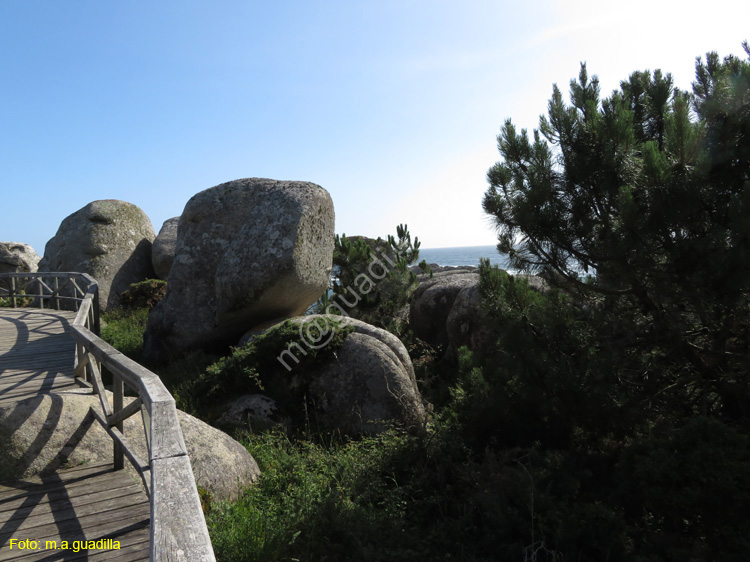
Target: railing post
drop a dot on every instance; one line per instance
(40, 285)
(118, 391)
(96, 328)
(13, 291)
(56, 286)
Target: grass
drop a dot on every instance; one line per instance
(391, 497)
(123, 329)
(312, 500)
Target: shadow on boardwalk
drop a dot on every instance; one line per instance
(86, 503)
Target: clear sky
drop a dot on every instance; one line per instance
(392, 106)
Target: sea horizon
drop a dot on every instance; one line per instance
(463, 255)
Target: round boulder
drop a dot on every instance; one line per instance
(366, 387)
(41, 434)
(467, 324)
(162, 252)
(110, 240)
(432, 302)
(248, 251)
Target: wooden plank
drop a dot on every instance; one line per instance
(96, 378)
(68, 476)
(43, 361)
(37, 350)
(166, 436)
(173, 491)
(60, 509)
(134, 548)
(118, 393)
(22, 392)
(89, 488)
(8, 378)
(83, 314)
(86, 527)
(18, 376)
(67, 506)
(82, 503)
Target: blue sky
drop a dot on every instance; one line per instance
(392, 106)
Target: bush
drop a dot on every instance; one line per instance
(372, 280)
(255, 368)
(144, 294)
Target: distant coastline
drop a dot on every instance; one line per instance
(466, 255)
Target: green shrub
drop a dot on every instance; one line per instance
(687, 492)
(375, 292)
(256, 368)
(123, 329)
(144, 294)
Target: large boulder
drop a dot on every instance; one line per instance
(248, 251)
(110, 240)
(467, 323)
(366, 386)
(432, 302)
(17, 257)
(46, 432)
(162, 252)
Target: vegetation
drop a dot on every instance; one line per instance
(144, 294)
(21, 301)
(372, 280)
(649, 191)
(255, 368)
(628, 389)
(123, 328)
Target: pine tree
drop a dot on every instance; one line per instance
(639, 204)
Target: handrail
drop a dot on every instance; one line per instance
(44, 287)
(178, 528)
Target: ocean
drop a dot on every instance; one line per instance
(467, 255)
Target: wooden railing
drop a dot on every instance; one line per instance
(178, 528)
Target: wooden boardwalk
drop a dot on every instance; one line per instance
(36, 353)
(79, 504)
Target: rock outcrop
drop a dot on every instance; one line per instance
(48, 431)
(162, 251)
(110, 240)
(432, 302)
(365, 387)
(17, 257)
(467, 323)
(248, 251)
(369, 386)
(443, 268)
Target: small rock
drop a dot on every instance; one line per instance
(253, 411)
